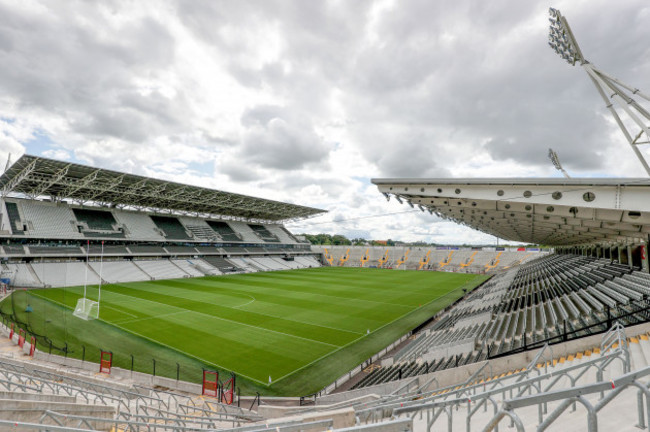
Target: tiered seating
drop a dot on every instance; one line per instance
(244, 232)
(539, 301)
(98, 223)
(527, 393)
(160, 269)
(263, 233)
(48, 220)
(189, 267)
(224, 265)
(119, 271)
(15, 221)
(65, 274)
(171, 227)
(563, 293)
(224, 231)
(292, 264)
(21, 275)
(204, 267)
(247, 264)
(282, 234)
(139, 226)
(268, 263)
(307, 261)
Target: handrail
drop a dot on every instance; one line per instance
(404, 408)
(535, 360)
(572, 395)
(423, 404)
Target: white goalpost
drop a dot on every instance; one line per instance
(86, 308)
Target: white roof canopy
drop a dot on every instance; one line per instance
(37, 176)
(548, 211)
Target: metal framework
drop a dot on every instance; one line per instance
(41, 177)
(617, 95)
(549, 211)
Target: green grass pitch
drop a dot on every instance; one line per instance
(303, 328)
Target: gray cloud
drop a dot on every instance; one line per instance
(263, 89)
(275, 137)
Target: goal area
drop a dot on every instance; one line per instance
(86, 309)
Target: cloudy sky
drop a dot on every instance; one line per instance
(306, 101)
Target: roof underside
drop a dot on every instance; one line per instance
(549, 211)
(40, 177)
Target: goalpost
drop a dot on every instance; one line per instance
(86, 308)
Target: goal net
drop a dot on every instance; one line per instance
(86, 309)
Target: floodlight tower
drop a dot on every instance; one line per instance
(614, 92)
(552, 155)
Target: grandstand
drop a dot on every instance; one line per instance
(440, 258)
(57, 213)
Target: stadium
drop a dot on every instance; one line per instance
(132, 303)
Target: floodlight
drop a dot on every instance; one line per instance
(552, 155)
(421, 208)
(387, 196)
(410, 203)
(399, 200)
(614, 93)
(559, 31)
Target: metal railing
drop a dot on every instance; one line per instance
(179, 409)
(572, 396)
(480, 395)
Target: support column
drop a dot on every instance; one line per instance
(644, 256)
(618, 248)
(628, 249)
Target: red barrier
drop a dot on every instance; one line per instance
(210, 383)
(11, 332)
(32, 348)
(105, 362)
(228, 391)
(21, 338)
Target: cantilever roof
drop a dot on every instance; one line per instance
(36, 176)
(551, 211)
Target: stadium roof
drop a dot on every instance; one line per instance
(41, 177)
(549, 211)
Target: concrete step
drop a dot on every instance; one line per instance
(6, 395)
(637, 357)
(644, 343)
